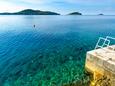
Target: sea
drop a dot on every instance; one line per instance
(48, 50)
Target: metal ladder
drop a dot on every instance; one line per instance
(105, 43)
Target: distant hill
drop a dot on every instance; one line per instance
(31, 12)
(75, 13)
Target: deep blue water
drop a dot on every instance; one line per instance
(52, 53)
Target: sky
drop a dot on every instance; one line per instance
(87, 7)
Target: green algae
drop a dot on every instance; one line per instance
(65, 74)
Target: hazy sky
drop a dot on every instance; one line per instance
(61, 6)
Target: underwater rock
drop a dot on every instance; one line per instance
(70, 58)
(40, 56)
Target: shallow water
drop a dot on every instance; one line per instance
(52, 53)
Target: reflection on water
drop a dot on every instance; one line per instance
(52, 53)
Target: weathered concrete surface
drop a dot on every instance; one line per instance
(101, 64)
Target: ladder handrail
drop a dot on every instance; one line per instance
(104, 43)
(109, 37)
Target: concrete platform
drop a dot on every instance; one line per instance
(101, 63)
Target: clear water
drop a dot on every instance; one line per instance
(52, 53)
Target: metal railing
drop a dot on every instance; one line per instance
(106, 42)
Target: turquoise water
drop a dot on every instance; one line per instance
(52, 53)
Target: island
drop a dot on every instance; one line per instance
(75, 13)
(31, 12)
(101, 14)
